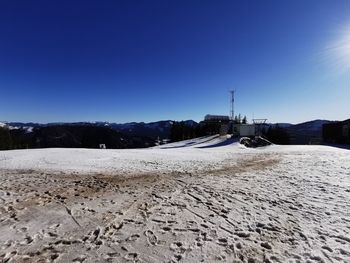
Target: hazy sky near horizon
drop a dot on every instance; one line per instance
(121, 61)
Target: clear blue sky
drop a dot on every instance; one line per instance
(148, 60)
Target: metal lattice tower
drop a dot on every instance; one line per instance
(232, 101)
(259, 123)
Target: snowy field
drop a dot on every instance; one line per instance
(202, 200)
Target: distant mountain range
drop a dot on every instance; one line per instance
(152, 130)
(301, 133)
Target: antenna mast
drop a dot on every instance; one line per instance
(232, 112)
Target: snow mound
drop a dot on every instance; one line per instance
(201, 154)
(255, 142)
(205, 153)
(202, 142)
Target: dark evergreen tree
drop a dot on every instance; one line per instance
(181, 131)
(5, 139)
(277, 135)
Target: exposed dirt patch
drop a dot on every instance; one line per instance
(131, 179)
(249, 164)
(238, 213)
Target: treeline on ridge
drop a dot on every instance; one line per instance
(69, 136)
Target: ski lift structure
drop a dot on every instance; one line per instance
(259, 124)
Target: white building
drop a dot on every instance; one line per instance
(244, 130)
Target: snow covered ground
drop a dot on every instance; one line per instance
(207, 199)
